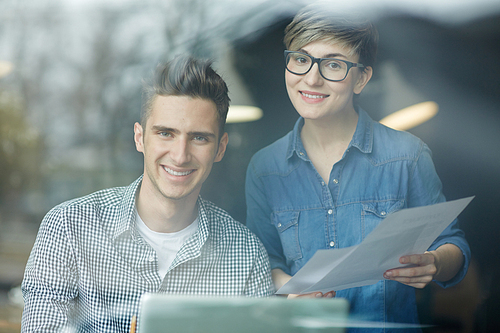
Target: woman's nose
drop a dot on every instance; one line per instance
(313, 77)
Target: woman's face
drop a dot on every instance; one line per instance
(317, 98)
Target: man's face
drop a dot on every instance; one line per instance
(180, 144)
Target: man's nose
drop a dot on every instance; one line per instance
(179, 151)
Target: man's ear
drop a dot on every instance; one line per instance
(363, 79)
(222, 147)
(139, 137)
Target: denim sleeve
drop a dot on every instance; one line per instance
(426, 189)
(259, 218)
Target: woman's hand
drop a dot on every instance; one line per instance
(280, 278)
(329, 294)
(441, 265)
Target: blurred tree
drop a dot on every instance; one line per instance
(20, 150)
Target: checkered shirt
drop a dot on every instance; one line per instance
(89, 265)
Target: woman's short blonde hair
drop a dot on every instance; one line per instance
(352, 31)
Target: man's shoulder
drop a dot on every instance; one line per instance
(99, 207)
(101, 198)
(225, 227)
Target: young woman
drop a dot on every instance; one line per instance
(331, 180)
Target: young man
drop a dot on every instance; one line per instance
(95, 256)
(331, 180)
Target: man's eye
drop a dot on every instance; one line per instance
(165, 134)
(200, 139)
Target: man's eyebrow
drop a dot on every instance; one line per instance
(205, 134)
(160, 128)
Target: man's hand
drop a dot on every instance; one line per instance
(417, 276)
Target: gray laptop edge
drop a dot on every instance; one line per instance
(180, 314)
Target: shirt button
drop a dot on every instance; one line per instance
(336, 181)
(322, 183)
(332, 244)
(383, 213)
(151, 258)
(279, 225)
(301, 154)
(330, 212)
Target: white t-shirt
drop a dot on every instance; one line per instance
(165, 244)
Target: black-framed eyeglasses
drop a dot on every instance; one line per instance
(331, 69)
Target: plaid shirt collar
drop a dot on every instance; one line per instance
(126, 220)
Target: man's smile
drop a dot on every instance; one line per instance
(177, 173)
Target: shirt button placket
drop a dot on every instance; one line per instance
(330, 218)
(331, 244)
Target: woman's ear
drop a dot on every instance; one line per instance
(363, 79)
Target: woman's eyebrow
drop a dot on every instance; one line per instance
(330, 55)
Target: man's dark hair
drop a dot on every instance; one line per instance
(187, 76)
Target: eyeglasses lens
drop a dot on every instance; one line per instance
(331, 69)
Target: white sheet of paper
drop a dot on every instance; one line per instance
(408, 231)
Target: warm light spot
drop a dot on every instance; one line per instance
(411, 116)
(5, 68)
(243, 113)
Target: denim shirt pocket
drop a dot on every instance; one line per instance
(287, 224)
(375, 211)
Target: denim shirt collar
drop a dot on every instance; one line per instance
(362, 138)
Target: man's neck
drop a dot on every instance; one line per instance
(162, 214)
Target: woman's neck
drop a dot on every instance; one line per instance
(326, 141)
(327, 132)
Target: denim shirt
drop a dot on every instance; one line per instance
(295, 213)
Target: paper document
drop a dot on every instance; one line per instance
(408, 231)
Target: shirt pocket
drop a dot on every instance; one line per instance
(375, 211)
(287, 224)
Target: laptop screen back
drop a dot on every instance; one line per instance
(167, 313)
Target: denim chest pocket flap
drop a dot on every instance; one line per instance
(375, 211)
(382, 208)
(287, 224)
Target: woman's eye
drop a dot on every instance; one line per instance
(301, 60)
(334, 65)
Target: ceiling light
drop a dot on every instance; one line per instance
(411, 116)
(243, 113)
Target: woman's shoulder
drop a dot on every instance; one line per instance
(273, 156)
(388, 141)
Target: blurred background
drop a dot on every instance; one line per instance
(70, 92)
